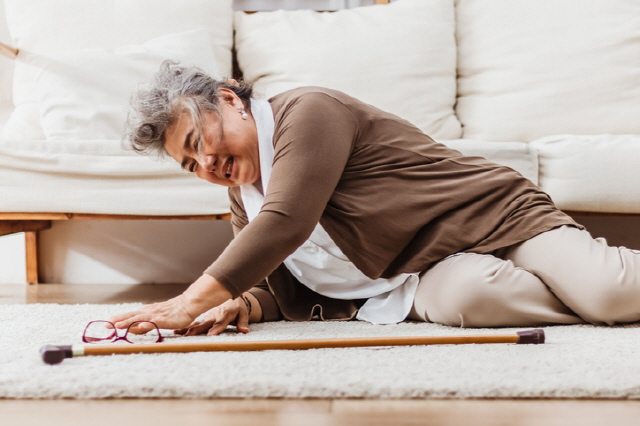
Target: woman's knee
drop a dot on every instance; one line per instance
(462, 291)
(609, 304)
(598, 282)
(608, 294)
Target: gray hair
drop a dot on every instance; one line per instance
(175, 89)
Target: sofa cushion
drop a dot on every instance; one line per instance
(24, 123)
(519, 156)
(84, 94)
(99, 177)
(591, 173)
(398, 57)
(534, 68)
(82, 24)
(5, 113)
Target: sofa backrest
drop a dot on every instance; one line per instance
(525, 69)
(48, 46)
(399, 57)
(533, 68)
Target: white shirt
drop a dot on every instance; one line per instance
(319, 263)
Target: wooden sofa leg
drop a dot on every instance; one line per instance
(31, 245)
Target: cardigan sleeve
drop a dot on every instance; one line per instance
(313, 139)
(267, 301)
(268, 305)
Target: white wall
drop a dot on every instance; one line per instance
(118, 252)
(129, 252)
(12, 259)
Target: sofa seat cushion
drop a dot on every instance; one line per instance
(99, 177)
(591, 173)
(519, 156)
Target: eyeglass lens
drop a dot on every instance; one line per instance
(97, 331)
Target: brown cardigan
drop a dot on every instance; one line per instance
(391, 198)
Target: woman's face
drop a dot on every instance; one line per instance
(226, 155)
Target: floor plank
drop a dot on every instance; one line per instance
(281, 412)
(85, 293)
(488, 412)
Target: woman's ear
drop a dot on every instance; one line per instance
(228, 97)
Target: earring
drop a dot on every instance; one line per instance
(243, 113)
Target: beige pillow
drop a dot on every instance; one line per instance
(399, 57)
(532, 68)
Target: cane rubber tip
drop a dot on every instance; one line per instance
(52, 354)
(533, 337)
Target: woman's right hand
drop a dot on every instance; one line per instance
(216, 320)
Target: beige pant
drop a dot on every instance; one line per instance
(563, 276)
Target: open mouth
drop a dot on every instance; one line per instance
(227, 172)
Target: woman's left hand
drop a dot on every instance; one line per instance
(231, 312)
(179, 312)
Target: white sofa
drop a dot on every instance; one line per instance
(550, 88)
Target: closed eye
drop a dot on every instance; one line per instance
(196, 145)
(196, 149)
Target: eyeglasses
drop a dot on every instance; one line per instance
(99, 331)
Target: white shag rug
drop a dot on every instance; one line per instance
(576, 362)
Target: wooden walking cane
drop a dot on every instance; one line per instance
(52, 354)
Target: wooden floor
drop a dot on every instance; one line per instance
(282, 412)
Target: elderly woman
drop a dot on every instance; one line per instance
(342, 211)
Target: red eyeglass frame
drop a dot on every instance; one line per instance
(115, 332)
